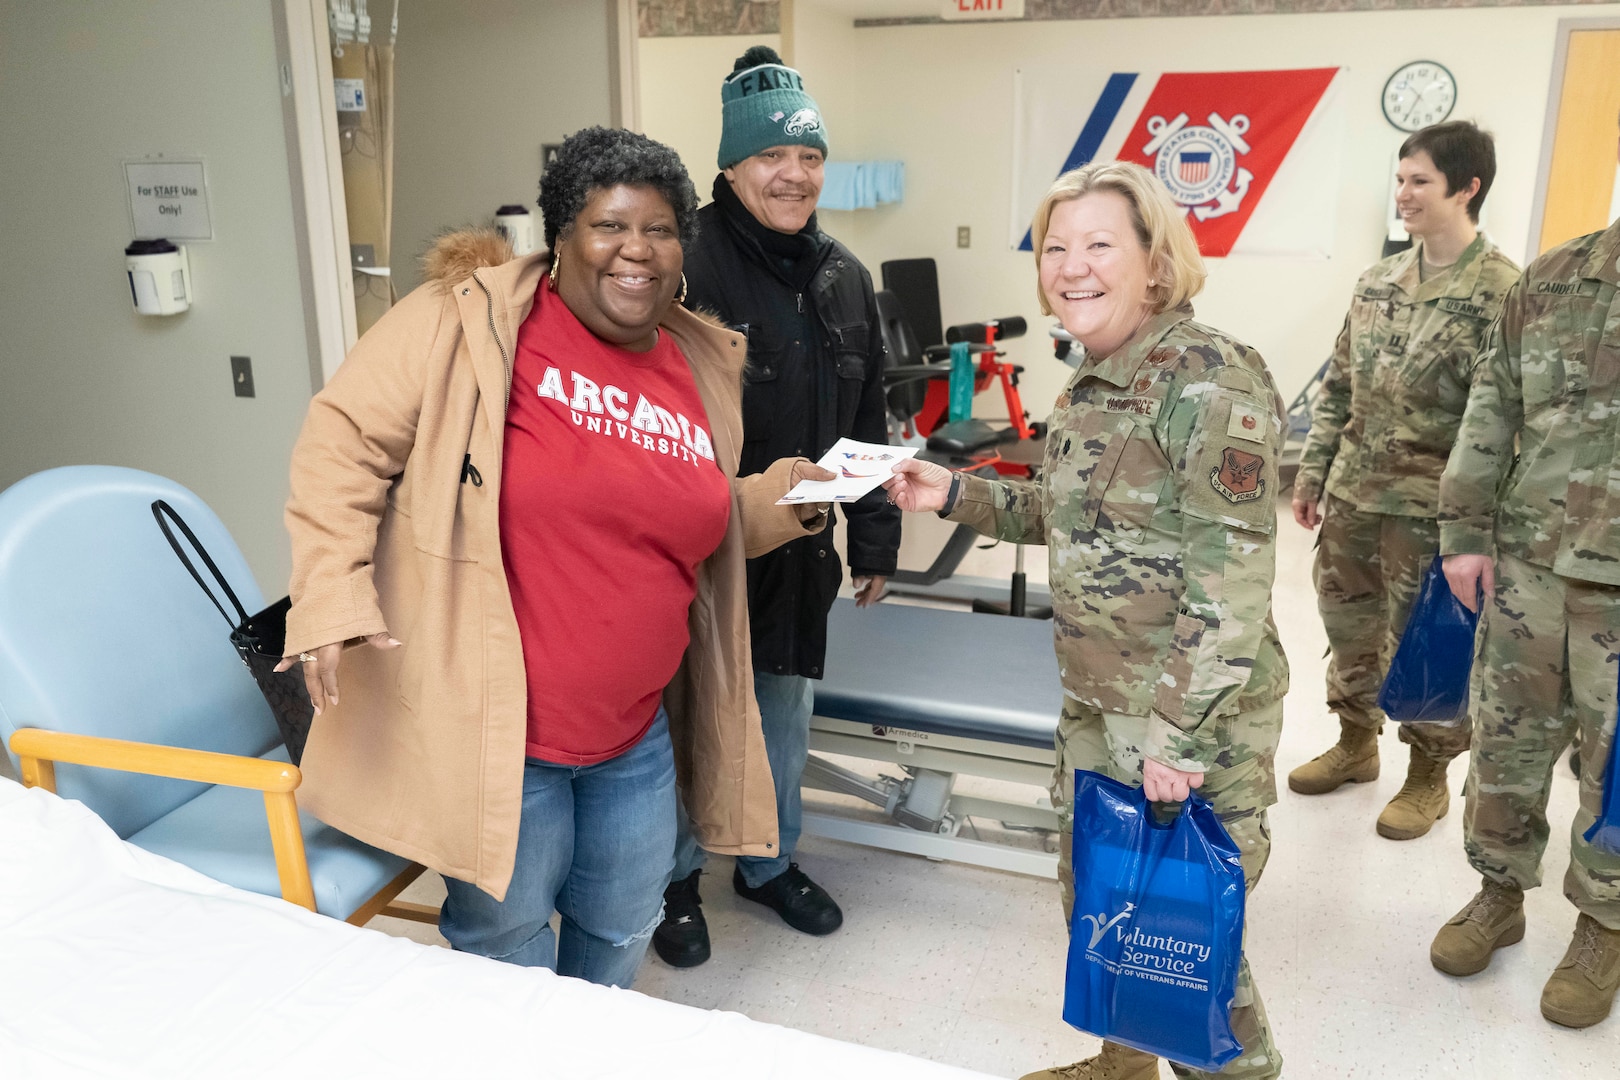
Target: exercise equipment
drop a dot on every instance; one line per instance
(940, 694)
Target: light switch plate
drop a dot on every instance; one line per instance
(964, 236)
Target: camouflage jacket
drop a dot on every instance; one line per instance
(1550, 375)
(1397, 382)
(1157, 502)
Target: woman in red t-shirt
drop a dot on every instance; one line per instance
(617, 532)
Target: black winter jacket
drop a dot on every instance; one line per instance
(814, 374)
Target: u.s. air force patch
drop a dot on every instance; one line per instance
(1237, 478)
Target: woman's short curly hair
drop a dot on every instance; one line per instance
(597, 157)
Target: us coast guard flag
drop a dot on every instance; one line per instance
(1253, 156)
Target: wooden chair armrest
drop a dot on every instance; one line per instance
(203, 766)
(40, 750)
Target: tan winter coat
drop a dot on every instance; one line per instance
(423, 755)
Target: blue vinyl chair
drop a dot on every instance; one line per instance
(119, 687)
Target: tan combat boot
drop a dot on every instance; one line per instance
(1353, 758)
(1116, 1062)
(1492, 919)
(1582, 987)
(1423, 800)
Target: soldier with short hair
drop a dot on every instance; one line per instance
(1157, 502)
(1530, 524)
(1381, 430)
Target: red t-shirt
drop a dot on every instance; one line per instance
(610, 498)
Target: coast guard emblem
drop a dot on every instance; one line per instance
(1199, 164)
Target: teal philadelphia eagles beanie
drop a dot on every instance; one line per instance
(763, 104)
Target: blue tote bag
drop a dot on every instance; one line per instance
(1157, 934)
(1428, 679)
(1605, 831)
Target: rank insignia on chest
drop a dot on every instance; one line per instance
(1396, 343)
(1237, 477)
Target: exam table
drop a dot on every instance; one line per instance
(940, 694)
(115, 962)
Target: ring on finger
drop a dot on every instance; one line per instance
(307, 658)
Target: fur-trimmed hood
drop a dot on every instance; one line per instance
(455, 255)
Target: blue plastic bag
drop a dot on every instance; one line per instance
(1158, 925)
(1605, 831)
(1428, 679)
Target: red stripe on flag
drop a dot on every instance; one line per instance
(1277, 104)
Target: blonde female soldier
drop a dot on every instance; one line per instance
(1156, 503)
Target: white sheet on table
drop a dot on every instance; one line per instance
(117, 962)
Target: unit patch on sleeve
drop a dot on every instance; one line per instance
(1237, 477)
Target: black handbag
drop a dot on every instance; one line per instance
(258, 640)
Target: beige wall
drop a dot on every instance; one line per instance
(680, 95)
(939, 98)
(86, 84)
(82, 378)
(480, 85)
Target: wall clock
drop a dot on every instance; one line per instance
(1419, 94)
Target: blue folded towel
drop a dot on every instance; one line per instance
(860, 185)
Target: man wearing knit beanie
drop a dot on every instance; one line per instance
(814, 375)
(763, 104)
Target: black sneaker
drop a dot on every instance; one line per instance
(682, 939)
(802, 903)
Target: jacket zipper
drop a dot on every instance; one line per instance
(489, 299)
(468, 470)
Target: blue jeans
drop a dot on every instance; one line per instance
(594, 844)
(785, 703)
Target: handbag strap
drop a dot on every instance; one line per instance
(160, 510)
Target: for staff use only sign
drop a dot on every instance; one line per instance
(168, 199)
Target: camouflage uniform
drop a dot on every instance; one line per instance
(1549, 513)
(1157, 506)
(1381, 431)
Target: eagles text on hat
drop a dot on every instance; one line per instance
(767, 78)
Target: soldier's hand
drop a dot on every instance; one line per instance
(1470, 577)
(1161, 783)
(917, 486)
(1306, 512)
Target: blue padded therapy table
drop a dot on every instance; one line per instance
(941, 694)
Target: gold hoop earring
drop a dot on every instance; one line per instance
(680, 297)
(553, 275)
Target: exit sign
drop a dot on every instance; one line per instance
(983, 9)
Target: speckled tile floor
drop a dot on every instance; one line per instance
(965, 965)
